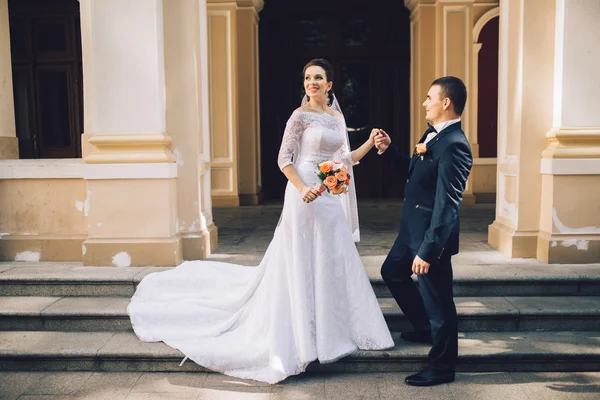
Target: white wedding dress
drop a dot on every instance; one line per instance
(310, 297)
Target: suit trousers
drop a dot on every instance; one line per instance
(431, 306)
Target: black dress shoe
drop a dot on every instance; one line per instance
(430, 377)
(418, 337)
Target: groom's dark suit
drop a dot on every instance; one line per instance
(429, 228)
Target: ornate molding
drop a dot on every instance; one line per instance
(413, 5)
(483, 20)
(257, 4)
(573, 143)
(570, 166)
(130, 148)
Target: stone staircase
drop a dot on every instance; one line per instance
(512, 317)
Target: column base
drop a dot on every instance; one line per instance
(225, 201)
(512, 243)
(251, 199)
(485, 198)
(568, 249)
(9, 148)
(147, 252)
(46, 248)
(200, 246)
(468, 199)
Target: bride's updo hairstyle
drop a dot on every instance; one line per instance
(323, 63)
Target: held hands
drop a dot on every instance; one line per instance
(382, 140)
(420, 267)
(309, 194)
(373, 136)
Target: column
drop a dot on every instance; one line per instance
(441, 51)
(525, 106)
(570, 206)
(456, 38)
(233, 94)
(483, 175)
(9, 145)
(248, 103)
(424, 56)
(186, 69)
(132, 187)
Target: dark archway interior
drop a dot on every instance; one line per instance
(487, 104)
(368, 44)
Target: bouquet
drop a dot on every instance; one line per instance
(334, 177)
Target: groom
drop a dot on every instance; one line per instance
(436, 177)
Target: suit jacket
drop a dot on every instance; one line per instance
(430, 224)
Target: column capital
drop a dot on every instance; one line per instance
(257, 4)
(412, 5)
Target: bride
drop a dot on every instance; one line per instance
(310, 297)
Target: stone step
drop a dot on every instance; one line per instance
(528, 279)
(91, 314)
(478, 351)
(512, 279)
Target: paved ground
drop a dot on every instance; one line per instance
(184, 386)
(245, 232)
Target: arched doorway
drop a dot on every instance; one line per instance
(487, 101)
(368, 43)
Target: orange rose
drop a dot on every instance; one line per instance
(326, 166)
(331, 182)
(421, 148)
(347, 180)
(341, 176)
(338, 190)
(344, 168)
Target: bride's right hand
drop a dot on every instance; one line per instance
(373, 136)
(309, 194)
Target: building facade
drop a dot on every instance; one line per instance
(124, 122)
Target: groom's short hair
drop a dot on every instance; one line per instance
(454, 89)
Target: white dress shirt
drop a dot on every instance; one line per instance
(440, 127)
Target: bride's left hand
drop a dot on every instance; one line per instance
(309, 194)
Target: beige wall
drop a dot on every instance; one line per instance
(443, 43)
(248, 106)
(41, 219)
(549, 150)
(483, 178)
(234, 101)
(101, 214)
(9, 148)
(223, 95)
(570, 213)
(130, 201)
(133, 196)
(187, 119)
(525, 115)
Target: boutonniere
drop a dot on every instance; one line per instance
(420, 150)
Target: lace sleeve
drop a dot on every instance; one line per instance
(344, 154)
(291, 136)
